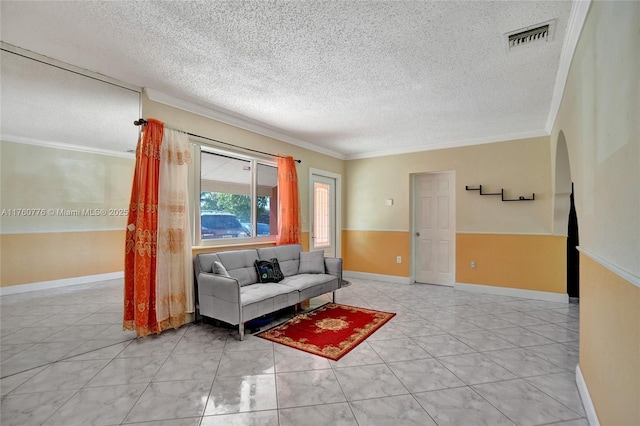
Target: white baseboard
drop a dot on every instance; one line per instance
(513, 292)
(589, 409)
(45, 285)
(376, 277)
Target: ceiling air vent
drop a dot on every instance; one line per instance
(534, 35)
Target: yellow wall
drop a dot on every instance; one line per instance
(200, 125)
(598, 118)
(81, 201)
(529, 262)
(375, 252)
(304, 241)
(521, 167)
(610, 343)
(30, 258)
(376, 233)
(56, 180)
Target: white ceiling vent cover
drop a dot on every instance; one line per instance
(533, 35)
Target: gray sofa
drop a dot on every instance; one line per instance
(238, 296)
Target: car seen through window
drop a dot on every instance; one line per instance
(221, 225)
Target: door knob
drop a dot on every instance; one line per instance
(417, 234)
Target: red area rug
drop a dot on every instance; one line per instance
(330, 331)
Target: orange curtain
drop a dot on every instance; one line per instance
(289, 204)
(142, 235)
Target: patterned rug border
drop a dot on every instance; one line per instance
(356, 343)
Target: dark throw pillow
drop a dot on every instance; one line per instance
(277, 272)
(268, 272)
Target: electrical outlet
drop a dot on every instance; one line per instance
(399, 259)
(473, 264)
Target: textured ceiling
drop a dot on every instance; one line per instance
(355, 78)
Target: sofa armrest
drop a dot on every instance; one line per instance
(219, 286)
(333, 266)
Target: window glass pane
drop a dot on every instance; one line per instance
(225, 198)
(321, 214)
(267, 201)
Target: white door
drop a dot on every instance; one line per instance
(434, 240)
(323, 214)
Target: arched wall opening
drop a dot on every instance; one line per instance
(565, 220)
(562, 190)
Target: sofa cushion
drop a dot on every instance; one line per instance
(303, 281)
(312, 262)
(257, 292)
(288, 257)
(239, 265)
(268, 272)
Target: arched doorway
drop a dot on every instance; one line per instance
(564, 215)
(573, 257)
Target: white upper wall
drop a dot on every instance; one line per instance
(600, 119)
(521, 167)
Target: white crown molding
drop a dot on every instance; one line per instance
(65, 146)
(266, 130)
(577, 17)
(589, 408)
(65, 66)
(513, 292)
(452, 144)
(46, 285)
(618, 270)
(235, 120)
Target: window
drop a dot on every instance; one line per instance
(238, 197)
(267, 201)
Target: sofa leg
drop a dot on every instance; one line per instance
(334, 296)
(241, 331)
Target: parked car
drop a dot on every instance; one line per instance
(221, 225)
(263, 228)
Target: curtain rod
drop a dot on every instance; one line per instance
(143, 122)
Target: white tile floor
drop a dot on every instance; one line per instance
(447, 358)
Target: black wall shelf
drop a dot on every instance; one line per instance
(501, 194)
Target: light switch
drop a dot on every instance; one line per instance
(389, 201)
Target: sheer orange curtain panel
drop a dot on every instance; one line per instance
(289, 202)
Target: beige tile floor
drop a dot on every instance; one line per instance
(447, 358)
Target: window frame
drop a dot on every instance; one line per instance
(195, 192)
